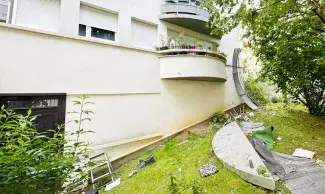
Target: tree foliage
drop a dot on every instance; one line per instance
(32, 162)
(288, 37)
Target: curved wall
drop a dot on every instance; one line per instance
(192, 67)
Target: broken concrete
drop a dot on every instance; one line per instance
(238, 155)
(303, 153)
(250, 127)
(208, 169)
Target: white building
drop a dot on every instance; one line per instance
(52, 51)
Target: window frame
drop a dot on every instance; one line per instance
(89, 33)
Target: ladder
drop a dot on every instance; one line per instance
(106, 162)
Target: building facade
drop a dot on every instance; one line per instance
(55, 50)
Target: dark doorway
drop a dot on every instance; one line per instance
(49, 108)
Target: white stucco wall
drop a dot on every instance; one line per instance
(131, 99)
(76, 66)
(229, 42)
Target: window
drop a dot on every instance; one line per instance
(82, 30)
(5, 10)
(27, 102)
(103, 34)
(97, 23)
(96, 32)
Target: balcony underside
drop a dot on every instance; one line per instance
(188, 16)
(192, 22)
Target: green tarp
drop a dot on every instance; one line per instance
(266, 136)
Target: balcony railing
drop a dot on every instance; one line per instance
(189, 2)
(192, 64)
(199, 52)
(186, 13)
(190, 7)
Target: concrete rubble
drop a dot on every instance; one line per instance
(238, 155)
(252, 161)
(208, 169)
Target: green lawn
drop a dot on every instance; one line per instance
(296, 127)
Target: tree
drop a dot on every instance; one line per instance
(288, 37)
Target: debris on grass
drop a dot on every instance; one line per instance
(208, 169)
(182, 143)
(250, 127)
(113, 184)
(290, 128)
(279, 138)
(262, 170)
(266, 136)
(148, 161)
(94, 191)
(303, 153)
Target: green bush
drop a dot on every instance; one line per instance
(31, 162)
(258, 91)
(218, 120)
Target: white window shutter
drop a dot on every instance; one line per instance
(97, 18)
(144, 35)
(39, 14)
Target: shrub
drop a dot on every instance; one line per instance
(218, 119)
(257, 90)
(31, 162)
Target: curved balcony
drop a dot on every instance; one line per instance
(191, 64)
(186, 13)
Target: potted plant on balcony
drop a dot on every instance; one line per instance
(180, 40)
(183, 46)
(163, 45)
(192, 46)
(199, 45)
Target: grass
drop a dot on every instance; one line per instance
(296, 127)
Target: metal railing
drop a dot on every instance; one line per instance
(192, 7)
(188, 2)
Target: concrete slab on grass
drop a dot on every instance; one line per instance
(237, 154)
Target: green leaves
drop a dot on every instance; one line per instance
(31, 162)
(288, 37)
